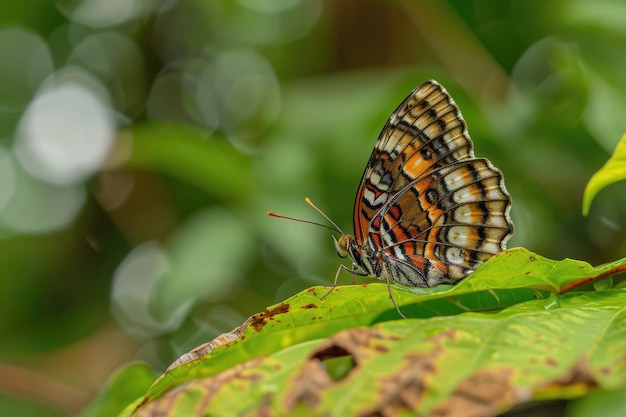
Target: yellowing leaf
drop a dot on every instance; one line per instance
(471, 364)
(613, 171)
(512, 332)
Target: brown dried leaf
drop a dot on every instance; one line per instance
(256, 321)
(203, 350)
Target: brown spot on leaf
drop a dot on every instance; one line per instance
(308, 306)
(142, 403)
(310, 382)
(532, 259)
(551, 362)
(381, 349)
(578, 374)
(483, 393)
(403, 390)
(265, 408)
(259, 320)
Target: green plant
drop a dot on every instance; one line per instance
(521, 328)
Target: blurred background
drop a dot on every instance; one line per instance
(143, 142)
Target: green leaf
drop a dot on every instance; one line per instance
(602, 402)
(510, 328)
(613, 171)
(126, 385)
(488, 362)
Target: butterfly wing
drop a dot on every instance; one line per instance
(435, 210)
(423, 133)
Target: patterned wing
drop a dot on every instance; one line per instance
(425, 132)
(434, 210)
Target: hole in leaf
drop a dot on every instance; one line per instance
(338, 368)
(336, 361)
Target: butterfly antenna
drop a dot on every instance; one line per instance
(310, 203)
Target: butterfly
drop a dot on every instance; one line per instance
(427, 211)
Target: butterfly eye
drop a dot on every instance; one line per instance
(342, 245)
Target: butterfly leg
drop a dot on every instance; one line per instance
(391, 294)
(352, 271)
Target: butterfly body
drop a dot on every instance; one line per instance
(427, 211)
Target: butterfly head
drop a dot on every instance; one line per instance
(343, 245)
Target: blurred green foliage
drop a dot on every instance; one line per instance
(142, 142)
